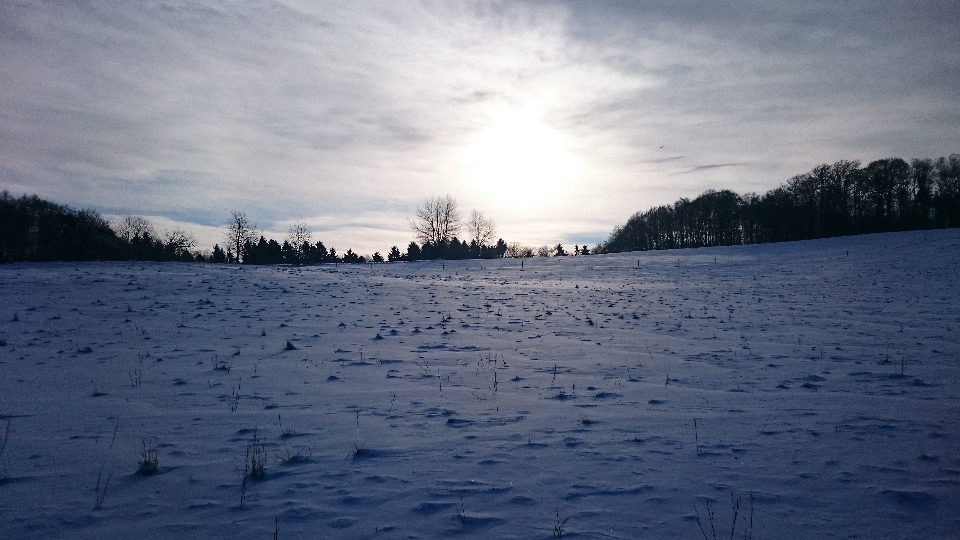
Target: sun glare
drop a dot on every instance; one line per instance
(520, 161)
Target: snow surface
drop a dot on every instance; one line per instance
(818, 382)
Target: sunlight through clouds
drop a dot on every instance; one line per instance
(519, 161)
(545, 115)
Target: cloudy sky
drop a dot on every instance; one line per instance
(557, 119)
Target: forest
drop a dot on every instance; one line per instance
(32, 229)
(841, 199)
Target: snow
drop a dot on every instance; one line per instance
(616, 396)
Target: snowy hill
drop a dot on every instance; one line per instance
(613, 396)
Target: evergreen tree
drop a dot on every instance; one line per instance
(353, 258)
(394, 254)
(414, 253)
(320, 252)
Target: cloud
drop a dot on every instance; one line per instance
(713, 166)
(329, 111)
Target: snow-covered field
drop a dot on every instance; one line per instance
(613, 396)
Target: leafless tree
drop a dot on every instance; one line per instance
(437, 220)
(179, 241)
(297, 235)
(544, 251)
(131, 227)
(518, 251)
(480, 228)
(239, 230)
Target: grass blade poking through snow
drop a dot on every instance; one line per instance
(357, 446)
(3, 446)
(734, 515)
(148, 463)
(558, 528)
(254, 464)
(101, 488)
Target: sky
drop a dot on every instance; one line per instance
(557, 120)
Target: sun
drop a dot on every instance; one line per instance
(519, 160)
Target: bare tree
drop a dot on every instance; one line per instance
(131, 227)
(544, 251)
(480, 228)
(517, 251)
(179, 241)
(437, 220)
(239, 230)
(297, 235)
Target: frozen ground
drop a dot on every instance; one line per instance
(817, 382)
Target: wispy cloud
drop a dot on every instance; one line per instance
(708, 167)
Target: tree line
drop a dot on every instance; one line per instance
(831, 200)
(32, 229)
(438, 222)
(841, 199)
(436, 225)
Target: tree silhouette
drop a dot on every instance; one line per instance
(177, 244)
(219, 256)
(481, 230)
(947, 200)
(437, 220)
(414, 253)
(239, 232)
(32, 229)
(353, 258)
(516, 251)
(298, 236)
(830, 200)
(131, 227)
